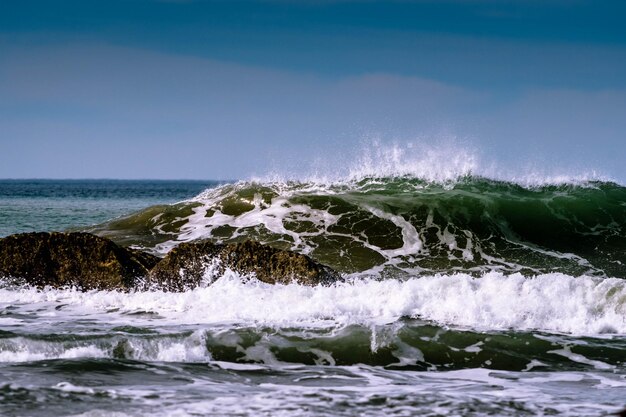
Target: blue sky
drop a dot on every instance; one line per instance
(229, 89)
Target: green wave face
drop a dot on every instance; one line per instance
(407, 344)
(404, 226)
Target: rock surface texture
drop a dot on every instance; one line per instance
(90, 262)
(82, 260)
(189, 264)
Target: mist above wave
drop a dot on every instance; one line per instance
(442, 161)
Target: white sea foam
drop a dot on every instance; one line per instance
(172, 348)
(364, 389)
(24, 350)
(576, 357)
(550, 302)
(271, 215)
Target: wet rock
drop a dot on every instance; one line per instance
(90, 262)
(147, 260)
(189, 264)
(72, 259)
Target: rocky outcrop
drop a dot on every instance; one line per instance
(82, 260)
(189, 264)
(90, 262)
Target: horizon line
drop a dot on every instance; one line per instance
(113, 179)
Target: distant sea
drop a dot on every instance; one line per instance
(46, 205)
(468, 296)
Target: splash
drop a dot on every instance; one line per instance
(548, 302)
(441, 160)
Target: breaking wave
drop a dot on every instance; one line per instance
(404, 226)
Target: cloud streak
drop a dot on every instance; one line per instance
(97, 110)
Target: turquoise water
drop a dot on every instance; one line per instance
(55, 205)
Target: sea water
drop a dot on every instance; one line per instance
(464, 296)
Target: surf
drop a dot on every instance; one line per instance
(403, 226)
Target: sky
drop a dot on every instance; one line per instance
(186, 89)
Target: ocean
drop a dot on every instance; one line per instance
(465, 296)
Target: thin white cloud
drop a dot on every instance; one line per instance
(96, 110)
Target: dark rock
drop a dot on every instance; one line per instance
(186, 265)
(90, 262)
(72, 259)
(146, 259)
